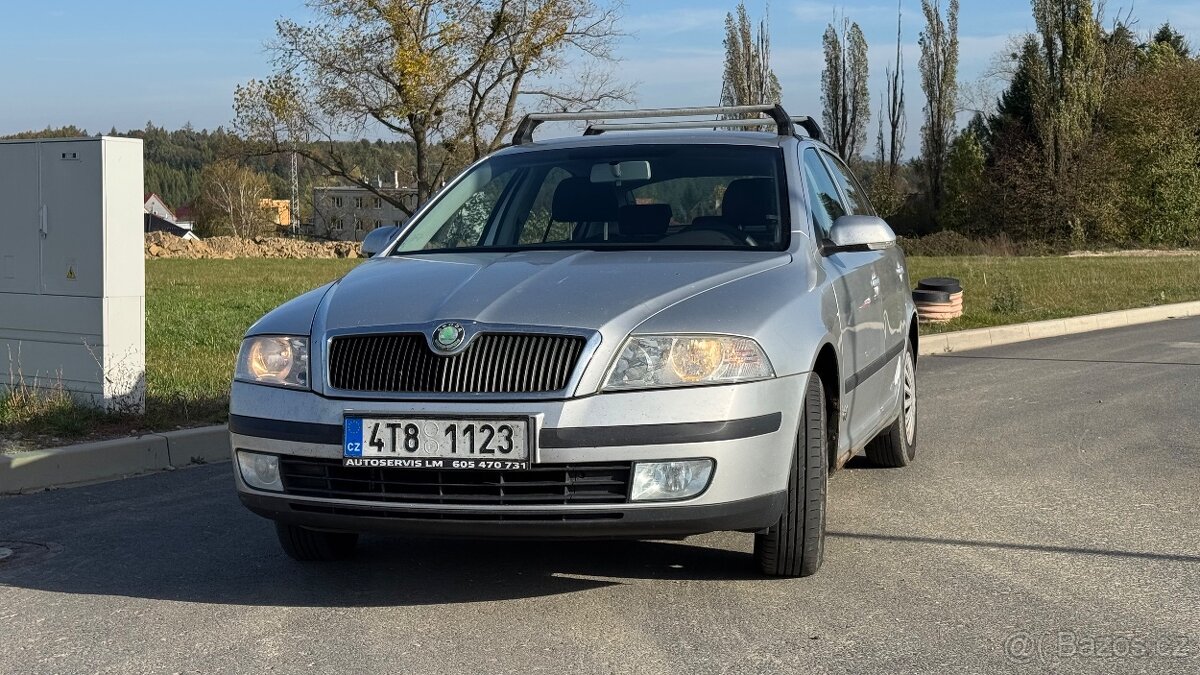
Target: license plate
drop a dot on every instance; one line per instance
(436, 443)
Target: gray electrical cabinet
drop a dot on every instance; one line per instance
(72, 269)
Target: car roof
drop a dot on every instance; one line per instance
(609, 138)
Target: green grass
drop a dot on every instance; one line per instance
(197, 311)
(998, 291)
(196, 314)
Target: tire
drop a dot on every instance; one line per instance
(307, 545)
(795, 545)
(896, 446)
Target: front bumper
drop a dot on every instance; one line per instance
(748, 429)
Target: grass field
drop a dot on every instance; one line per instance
(999, 291)
(197, 311)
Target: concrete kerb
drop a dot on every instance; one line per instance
(957, 341)
(123, 457)
(107, 460)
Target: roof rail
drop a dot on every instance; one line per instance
(783, 122)
(810, 127)
(807, 123)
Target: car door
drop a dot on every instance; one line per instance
(857, 287)
(892, 289)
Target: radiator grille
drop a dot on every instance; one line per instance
(494, 363)
(548, 484)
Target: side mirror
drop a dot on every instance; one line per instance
(378, 239)
(859, 233)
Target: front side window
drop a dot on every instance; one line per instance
(823, 197)
(856, 197)
(637, 196)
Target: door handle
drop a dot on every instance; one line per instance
(44, 225)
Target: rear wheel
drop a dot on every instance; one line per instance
(896, 446)
(304, 544)
(794, 546)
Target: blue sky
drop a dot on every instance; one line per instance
(105, 64)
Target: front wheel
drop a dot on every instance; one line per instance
(794, 546)
(301, 543)
(896, 445)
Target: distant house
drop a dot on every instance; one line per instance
(281, 212)
(157, 206)
(161, 218)
(350, 212)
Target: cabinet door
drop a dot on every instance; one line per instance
(72, 250)
(20, 237)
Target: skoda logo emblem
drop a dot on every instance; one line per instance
(448, 336)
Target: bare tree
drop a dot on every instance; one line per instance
(889, 148)
(231, 200)
(453, 77)
(844, 88)
(748, 78)
(939, 81)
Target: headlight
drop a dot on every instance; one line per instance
(274, 359)
(680, 360)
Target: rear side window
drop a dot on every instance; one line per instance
(856, 196)
(823, 195)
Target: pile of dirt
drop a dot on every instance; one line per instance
(163, 245)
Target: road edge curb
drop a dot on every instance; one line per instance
(977, 338)
(37, 470)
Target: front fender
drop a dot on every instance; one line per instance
(790, 315)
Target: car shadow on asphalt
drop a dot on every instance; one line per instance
(178, 538)
(384, 571)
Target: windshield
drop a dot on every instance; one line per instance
(635, 196)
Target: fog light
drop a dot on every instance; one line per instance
(260, 471)
(656, 481)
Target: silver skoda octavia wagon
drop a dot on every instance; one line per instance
(648, 331)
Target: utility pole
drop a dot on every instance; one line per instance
(295, 206)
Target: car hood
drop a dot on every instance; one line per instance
(608, 291)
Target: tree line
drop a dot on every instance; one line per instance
(1094, 139)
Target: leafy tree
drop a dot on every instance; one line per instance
(451, 77)
(748, 78)
(966, 183)
(939, 73)
(844, 89)
(1146, 169)
(1068, 95)
(232, 201)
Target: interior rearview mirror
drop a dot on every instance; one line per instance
(860, 233)
(616, 172)
(378, 239)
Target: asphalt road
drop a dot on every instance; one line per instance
(1052, 519)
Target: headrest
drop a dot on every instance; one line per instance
(579, 200)
(750, 202)
(644, 220)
